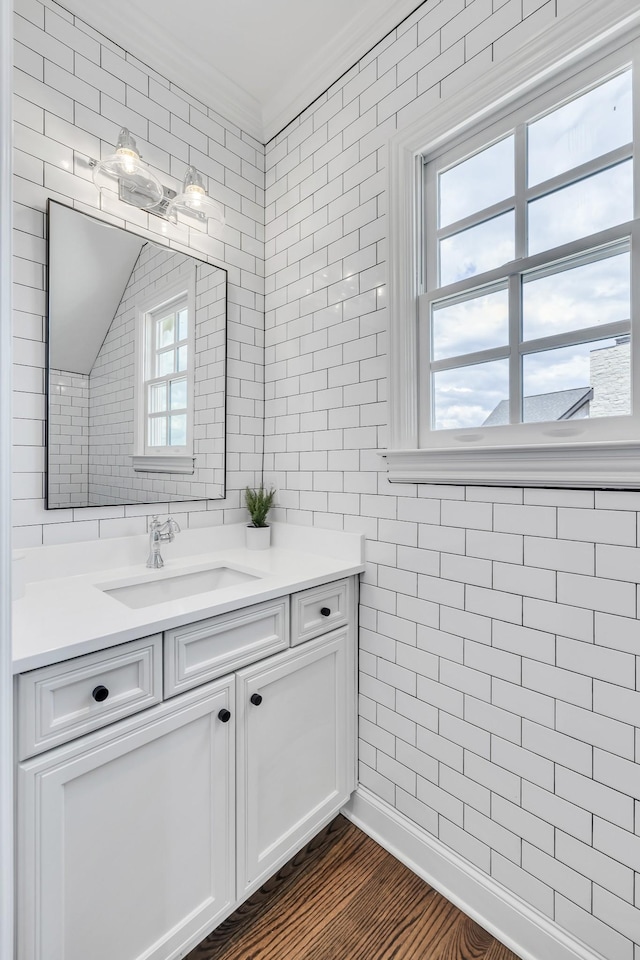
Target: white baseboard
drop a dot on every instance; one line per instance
(520, 927)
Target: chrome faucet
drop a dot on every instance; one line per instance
(159, 532)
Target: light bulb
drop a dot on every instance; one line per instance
(127, 151)
(129, 160)
(195, 194)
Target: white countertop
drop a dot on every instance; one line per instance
(65, 613)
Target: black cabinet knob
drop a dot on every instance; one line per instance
(224, 715)
(325, 611)
(256, 699)
(100, 693)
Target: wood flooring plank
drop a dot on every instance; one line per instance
(250, 911)
(467, 941)
(345, 898)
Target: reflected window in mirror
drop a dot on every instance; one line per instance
(166, 390)
(165, 381)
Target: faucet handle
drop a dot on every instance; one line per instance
(174, 526)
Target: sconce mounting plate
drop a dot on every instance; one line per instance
(136, 195)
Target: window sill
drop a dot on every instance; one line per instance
(164, 464)
(599, 465)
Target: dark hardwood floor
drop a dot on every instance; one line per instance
(345, 898)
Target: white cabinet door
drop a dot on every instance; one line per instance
(295, 751)
(126, 837)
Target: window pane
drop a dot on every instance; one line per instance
(178, 430)
(477, 249)
(165, 363)
(479, 323)
(178, 394)
(183, 324)
(585, 128)
(157, 397)
(182, 358)
(593, 204)
(585, 380)
(477, 183)
(158, 432)
(465, 397)
(584, 296)
(165, 331)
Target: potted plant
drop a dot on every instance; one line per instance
(259, 501)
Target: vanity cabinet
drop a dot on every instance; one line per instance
(135, 840)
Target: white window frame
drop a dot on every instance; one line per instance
(163, 459)
(508, 276)
(583, 453)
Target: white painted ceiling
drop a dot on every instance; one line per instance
(257, 62)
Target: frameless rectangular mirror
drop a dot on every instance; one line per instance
(136, 368)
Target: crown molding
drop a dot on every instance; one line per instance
(147, 41)
(327, 65)
(154, 46)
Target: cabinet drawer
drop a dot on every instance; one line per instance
(316, 611)
(202, 651)
(68, 699)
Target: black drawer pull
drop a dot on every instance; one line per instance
(100, 693)
(325, 611)
(256, 699)
(224, 715)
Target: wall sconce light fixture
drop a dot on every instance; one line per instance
(194, 202)
(125, 174)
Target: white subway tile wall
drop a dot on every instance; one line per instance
(500, 667)
(68, 462)
(74, 89)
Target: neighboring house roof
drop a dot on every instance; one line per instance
(561, 405)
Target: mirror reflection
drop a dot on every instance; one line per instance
(136, 368)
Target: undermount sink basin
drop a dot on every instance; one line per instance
(148, 592)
